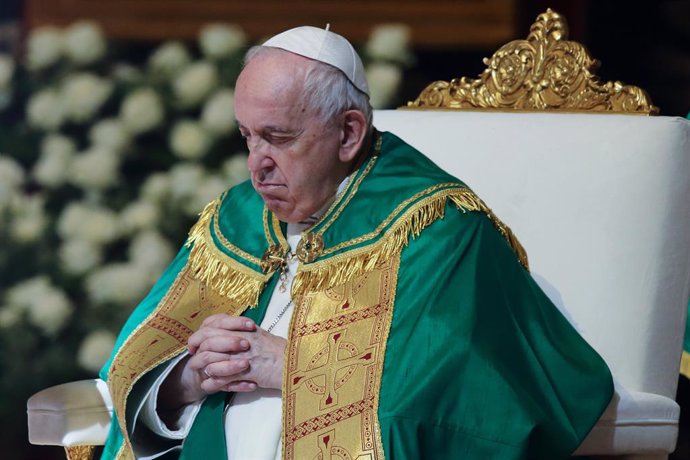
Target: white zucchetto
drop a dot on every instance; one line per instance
(324, 46)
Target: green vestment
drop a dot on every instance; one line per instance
(417, 332)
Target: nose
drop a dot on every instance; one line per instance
(259, 157)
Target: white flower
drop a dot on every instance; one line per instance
(10, 315)
(23, 293)
(169, 58)
(185, 179)
(51, 168)
(92, 223)
(207, 191)
(235, 168)
(384, 80)
(95, 350)
(141, 111)
(83, 94)
(110, 134)
(139, 215)
(45, 110)
(189, 140)
(94, 169)
(218, 114)
(11, 172)
(221, 40)
(194, 83)
(78, 256)
(390, 42)
(126, 73)
(152, 252)
(156, 188)
(48, 307)
(6, 70)
(30, 220)
(44, 47)
(84, 42)
(50, 311)
(121, 284)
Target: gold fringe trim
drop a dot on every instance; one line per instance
(344, 267)
(685, 364)
(197, 232)
(219, 271)
(478, 205)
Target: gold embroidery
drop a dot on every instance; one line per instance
(685, 364)
(80, 452)
(340, 268)
(310, 247)
(223, 273)
(162, 336)
(227, 244)
(389, 219)
(201, 227)
(334, 363)
(124, 454)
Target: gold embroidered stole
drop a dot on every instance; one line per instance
(334, 363)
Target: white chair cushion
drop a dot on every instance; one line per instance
(634, 423)
(71, 414)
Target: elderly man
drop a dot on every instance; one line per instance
(352, 301)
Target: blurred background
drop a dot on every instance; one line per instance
(116, 127)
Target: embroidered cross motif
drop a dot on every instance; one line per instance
(331, 367)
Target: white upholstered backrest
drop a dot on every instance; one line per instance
(600, 202)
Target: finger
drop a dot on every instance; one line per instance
(210, 386)
(203, 334)
(200, 361)
(211, 318)
(224, 344)
(233, 369)
(241, 386)
(232, 323)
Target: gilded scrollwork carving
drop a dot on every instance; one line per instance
(544, 72)
(80, 452)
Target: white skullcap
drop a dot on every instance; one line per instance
(324, 46)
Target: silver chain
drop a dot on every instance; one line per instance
(280, 315)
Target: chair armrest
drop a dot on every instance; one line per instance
(634, 423)
(72, 414)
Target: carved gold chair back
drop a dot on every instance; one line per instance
(545, 72)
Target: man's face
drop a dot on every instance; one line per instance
(293, 156)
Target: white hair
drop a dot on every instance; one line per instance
(326, 89)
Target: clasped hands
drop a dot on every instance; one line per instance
(227, 353)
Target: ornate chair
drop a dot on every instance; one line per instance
(595, 189)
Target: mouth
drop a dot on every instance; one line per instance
(270, 191)
(268, 187)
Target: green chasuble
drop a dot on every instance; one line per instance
(417, 330)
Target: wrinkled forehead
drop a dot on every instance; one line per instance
(270, 91)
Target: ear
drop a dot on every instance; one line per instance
(352, 135)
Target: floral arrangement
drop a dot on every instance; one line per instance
(105, 162)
